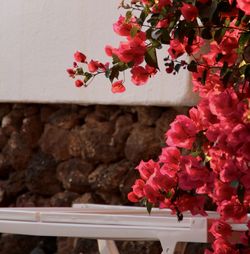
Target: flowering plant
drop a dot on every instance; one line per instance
(207, 157)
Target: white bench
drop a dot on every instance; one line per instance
(108, 223)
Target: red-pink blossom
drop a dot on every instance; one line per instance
(221, 246)
(80, 57)
(182, 132)
(118, 87)
(79, 83)
(189, 11)
(170, 157)
(140, 75)
(244, 5)
(146, 169)
(232, 209)
(220, 229)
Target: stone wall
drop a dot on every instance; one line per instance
(57, 155)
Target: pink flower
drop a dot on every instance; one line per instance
(139, 75)
(79, 83)
(222, 246)
(192, 174)
(222, 191)
(182, 132)
(244, 5)
(223, 104)
(162, 23)
(146, 169)
(220, 228)
(109, 50)
(189, 12)
(176, 48)
(80, 57)
(232, 209)
(138, 188)
(71, 72)
(170, 156)
(93, 66)
(123, 27)
(131, 51)
(118, 87)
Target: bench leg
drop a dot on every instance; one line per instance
(168, 245)
(107, 247)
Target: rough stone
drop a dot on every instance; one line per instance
(139, 247)
(3, 139)
(41, 175)
(12, 122)
(148, 115)
(86, 198)
(163, 124)
(108, 178)
(55, 141)
(86, 246)
(127, 183)
(32, 200)
(142, 144)
(75, 142)
(18, 244)
(98, 144)
(123, 127)
(15, 185)
(110, 198)
(63, 199)
(103, 113)
(65, 245)
(4, 109)
(31, 130)
(5, 167)
(17, 151)
(31, 110)
(74, 175)
(65, 118)
(46, 111)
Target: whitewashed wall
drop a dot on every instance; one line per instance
(38, 39)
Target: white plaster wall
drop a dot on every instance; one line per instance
(37, 42)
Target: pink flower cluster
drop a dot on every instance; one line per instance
(206, 160)
(208, 153)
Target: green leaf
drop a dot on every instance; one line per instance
(192, 66)
(115, 59)
(107, 73)
(224, 69)
(114, 73)
(206, 33)
(244, 38)
(149, 206)
(247, 73)
(177, 67)
(204, 77)
(128, 16)
(151, 57)
(219, 34)
(87, 76)
(234, 184)
(133, 32)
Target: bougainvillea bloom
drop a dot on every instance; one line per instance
(220, 229)
(79, 83)
(139, 75)
(79, 57)
(206, 160)
(244, 5)
(182, 132)
(118, 87)
(189, 11)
